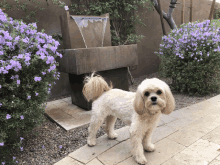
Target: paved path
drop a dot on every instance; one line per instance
(189, 136)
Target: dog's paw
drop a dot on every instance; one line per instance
(141, 160)
(91, 143)
(149, 147)
(113, 135)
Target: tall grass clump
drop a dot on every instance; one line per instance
(190, 56)
(27, 74)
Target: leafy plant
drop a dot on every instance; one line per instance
(27, 74)
(190, 56)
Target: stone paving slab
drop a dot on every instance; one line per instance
(94, 162)
(213, 136)
(67, 115)
(198, 152)
(162, 132)
(203, 123)
(86, 153)
(116, 154)
(216, 161)
(183, 122)
(186, 137)
(166, 119)
(164, 150)
(68, 161)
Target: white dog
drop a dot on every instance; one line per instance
(141, 110)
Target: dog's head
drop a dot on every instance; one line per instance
(154, 95)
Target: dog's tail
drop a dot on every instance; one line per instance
(95, 87)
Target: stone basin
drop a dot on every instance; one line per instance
(85, 60)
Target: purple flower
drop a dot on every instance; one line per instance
(36, 94)
(29, 97)
(21, 148)
(43, 146)
(18, 81)
(14, 158)
(21, 138)
(0, 104)
(37, 78)
(2, 144)
(3, 163)
(8, 116)
(66, 7)
(22, 117)
(60, 147)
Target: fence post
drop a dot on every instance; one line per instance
(190, 16)
(211, 11)
(183, 9)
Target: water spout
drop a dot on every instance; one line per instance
(82, 22)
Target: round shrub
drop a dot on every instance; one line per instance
(27, 74)
(190, 56)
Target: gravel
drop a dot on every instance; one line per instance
(51, 136)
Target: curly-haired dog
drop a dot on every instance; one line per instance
(141, 110)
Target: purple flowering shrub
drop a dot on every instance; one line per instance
(190, 56)
(27, 73)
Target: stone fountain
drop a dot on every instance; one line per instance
(87, 48)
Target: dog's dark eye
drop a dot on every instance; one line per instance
(147, 94)
(159, 92)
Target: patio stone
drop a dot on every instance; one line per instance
(164, 150)
(203, 123)
(68, 116)
(200, 151)
(49, 107)
(86, 153)
(213, 117)
(161, 133)
(67, 100)
(181, 123)
(116, 154)
(131, 161)
(188, 159)
(185, 137)
(213, 136)
(166, 119)
(68, 161)
(216, 161)
(172, 161)
(94, 162)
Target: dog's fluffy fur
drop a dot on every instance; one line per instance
(141, 110)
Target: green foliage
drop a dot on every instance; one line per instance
(190, 56)
(27, 73)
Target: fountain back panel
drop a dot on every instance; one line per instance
(87, 48)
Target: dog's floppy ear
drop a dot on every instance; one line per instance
(170, 101)
(138, 103)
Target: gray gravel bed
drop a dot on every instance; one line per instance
(52, 136)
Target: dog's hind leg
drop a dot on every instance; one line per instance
(109, 127)
(95, 123)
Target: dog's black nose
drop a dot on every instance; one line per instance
(154, 98)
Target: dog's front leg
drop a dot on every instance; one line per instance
(136, 137)
(148, 146)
